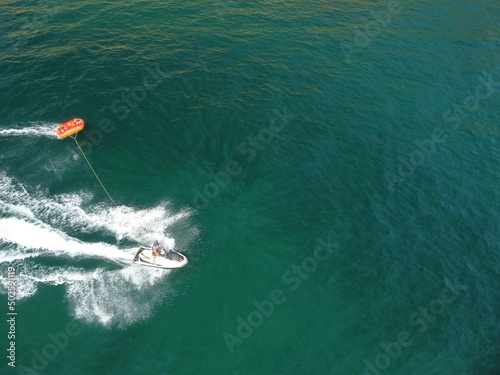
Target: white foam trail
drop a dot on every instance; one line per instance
(66, 211)
(35, 225)
(24, 286)
(45, 129)
(7, 208)
(31, 236)
(121, 297)
(29, 275)
(126, 222)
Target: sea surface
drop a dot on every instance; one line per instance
(329, 168)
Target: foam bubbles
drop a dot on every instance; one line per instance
(118, 297)
(36, 227)
(44, 129)
(32, 236)
(72, 212)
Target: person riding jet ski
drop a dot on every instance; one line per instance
(157, 250)
(146, 256)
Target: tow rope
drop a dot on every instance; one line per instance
(93, 170)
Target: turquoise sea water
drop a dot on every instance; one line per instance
(330, 169)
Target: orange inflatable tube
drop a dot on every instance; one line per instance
(70, 127)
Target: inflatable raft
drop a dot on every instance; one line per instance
(70, 127)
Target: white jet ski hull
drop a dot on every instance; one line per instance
(144, 258)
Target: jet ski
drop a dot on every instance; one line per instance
(168, 259)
